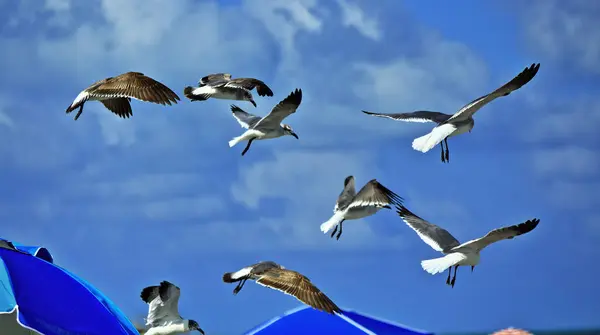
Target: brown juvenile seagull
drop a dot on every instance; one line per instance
(221, 86)
(455, 253)
(115, 93)
(461, 121)
(275, 276)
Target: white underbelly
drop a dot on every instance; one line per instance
(461, 129)
(360, 212)
(471, 260)
(214, 93)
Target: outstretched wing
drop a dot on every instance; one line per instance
(250, 83)
(137, 86)
(295, 284)
(245, 119)
(348, 193)
(162, 302)
(500, 234)
(517, 82)
(417, 116)
(216, 79)
(436, 237)
(375, 194)
(282, 110)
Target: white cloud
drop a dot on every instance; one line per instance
(566, 30)
(565, 162)
(354, 16)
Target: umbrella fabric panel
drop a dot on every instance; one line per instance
(116, 311)
(307, 321)
(38, 252)
(53, 302)
(381, 327)
(7, 298)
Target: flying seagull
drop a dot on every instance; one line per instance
(269, 126)
(351, 205)
(221, 86)
(455, 253)
(163, 311)
(115, 93)
(462, 121)
(275, 276)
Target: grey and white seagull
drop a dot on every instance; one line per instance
(351, 205)
(455, 253)
(221, 86)
(163, 311)
(461, 121)
(115, 93)
(275, 276)
(269, 126)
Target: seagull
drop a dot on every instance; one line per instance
(455, 253)
(115, 93)
(269, 126)
(163, 312)
(221, 86)
(351, 205)
(275, 276)
(462, 121)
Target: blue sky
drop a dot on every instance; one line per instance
(127, 203)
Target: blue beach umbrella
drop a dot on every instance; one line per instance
(52, 300)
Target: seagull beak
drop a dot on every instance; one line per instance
(254, 103)
(294, 134)
(472, 268)
(200, 330)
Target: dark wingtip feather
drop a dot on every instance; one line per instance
(264, 90)
(148, 293)
(527, 226)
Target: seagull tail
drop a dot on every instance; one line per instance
(422, 144)
(439, 265)
(188, 91)
(332, 222)
(228, 278)
(236, 140)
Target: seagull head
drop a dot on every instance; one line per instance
(289, 131)
(193, 325)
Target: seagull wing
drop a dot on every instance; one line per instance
(245, 119)
(517, 82)
(119, 106)
(216, 79)
(417, 116)
(250, 83)
(137, 86)
(282, 110)
(500, 234)
(375, 194)
(162, 303)
(295, 284)
(348, 193)
(436, 237)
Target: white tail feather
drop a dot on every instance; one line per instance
(332, 222)
(439, 265)
(437, 135)
(235, 141)
(420, 143)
